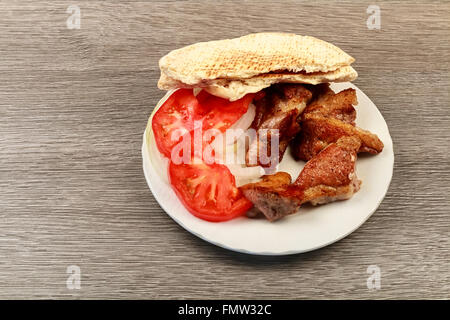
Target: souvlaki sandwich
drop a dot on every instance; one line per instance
(239, 111)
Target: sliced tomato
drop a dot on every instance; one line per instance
(209, 192)
(219, 113)
(176, 113)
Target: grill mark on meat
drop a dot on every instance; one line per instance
(277, 111)
(327, 118)
(329, 176)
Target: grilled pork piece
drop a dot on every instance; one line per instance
(276, 117)
(331, 105)
(270, 196)
(318, 132)
(327, 118)
(329, 176)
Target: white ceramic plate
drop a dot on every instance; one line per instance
(312, 227)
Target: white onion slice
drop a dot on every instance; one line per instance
(196, 91)
(242, 174)
(246, 120)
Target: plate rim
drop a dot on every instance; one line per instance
(146, 162)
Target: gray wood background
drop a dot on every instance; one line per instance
(73, 107)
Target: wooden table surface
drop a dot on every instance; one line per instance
(73, 107)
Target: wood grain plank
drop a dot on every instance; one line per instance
(74, 104)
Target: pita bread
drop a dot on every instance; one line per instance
(236, 89)
(233, 67)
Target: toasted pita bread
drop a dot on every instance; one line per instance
(233, 67)
(237, 88)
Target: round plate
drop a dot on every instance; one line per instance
(309, 229)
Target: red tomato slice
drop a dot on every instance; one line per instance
(220, 113)
(209, 192)
(177, 113)
(181, 110)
